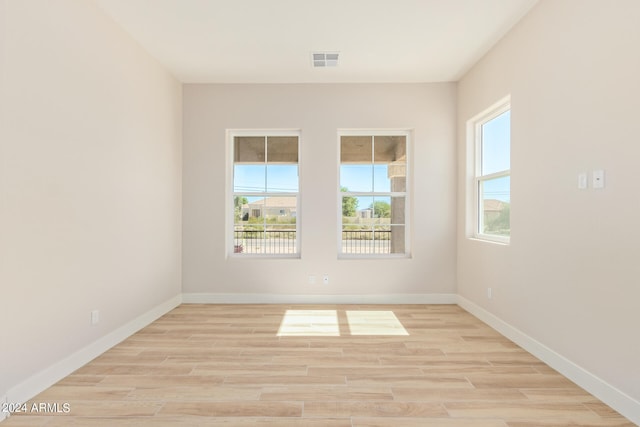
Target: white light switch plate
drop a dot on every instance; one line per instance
(582, 181)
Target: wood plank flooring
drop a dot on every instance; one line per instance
(244, 365)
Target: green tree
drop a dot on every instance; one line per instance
(349, 203)
(238, 202)
(381, 209)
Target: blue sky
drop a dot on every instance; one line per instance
(261, 178)
(284, 178)
(496, 155)
(365, 178)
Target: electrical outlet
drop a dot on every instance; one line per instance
(325, 279)
(489, 293)
(312, 279)
(598, 179)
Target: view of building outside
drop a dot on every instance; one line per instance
(373, 183)
(265, 194)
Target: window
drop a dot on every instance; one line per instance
(373, 193)
(265, 193)
(492, 184)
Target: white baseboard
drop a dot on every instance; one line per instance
(618, 400)
(54, 373)
(211, 298)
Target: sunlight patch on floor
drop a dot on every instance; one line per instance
(379, 322)
(309, 323)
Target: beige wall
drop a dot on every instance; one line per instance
(319, 111)
(90, 182)
(571, 276)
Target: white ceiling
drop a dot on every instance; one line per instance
(270, 41)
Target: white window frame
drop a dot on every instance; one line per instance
(229, 205)
(474, 134)
(408, 134)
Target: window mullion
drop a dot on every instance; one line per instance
(479, 210)
(495, 175)
(266, 198)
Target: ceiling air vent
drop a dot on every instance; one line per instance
(324, 59)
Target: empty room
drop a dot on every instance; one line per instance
(319, 213)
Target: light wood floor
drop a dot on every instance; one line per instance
(250, 365)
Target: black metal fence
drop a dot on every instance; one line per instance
(264, 241)
(284, 241)
(366, 242)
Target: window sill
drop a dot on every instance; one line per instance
(235, 256)
(483, 239)
(373, 256)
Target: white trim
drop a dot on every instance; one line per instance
(399, 131)
(264, 132)
(47, 377)
(475, 215)
(213, 298)
(618, 400)
(408, 133)
(348, 256)
(230, 134)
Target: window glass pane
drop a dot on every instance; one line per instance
(357, 222)
(398, 177)
(280, 230)
(364, 213)
(357, 177)
(356, 211)
(495, 206)
(397, 210)
(356, 149)
(381, 181)
(496, 144)
(249, 149)
(248, 235)
(384, 148)
(397, 239)
(280, 239)
(350, 206)
(381, 207)
(282, 149)
(379, 239)
(389, 226)
(281, 210)
(241, 210)
(282, 178)
(249, 241)
(390, 151)
(357, 240)
(249, 178)
(252, 209)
